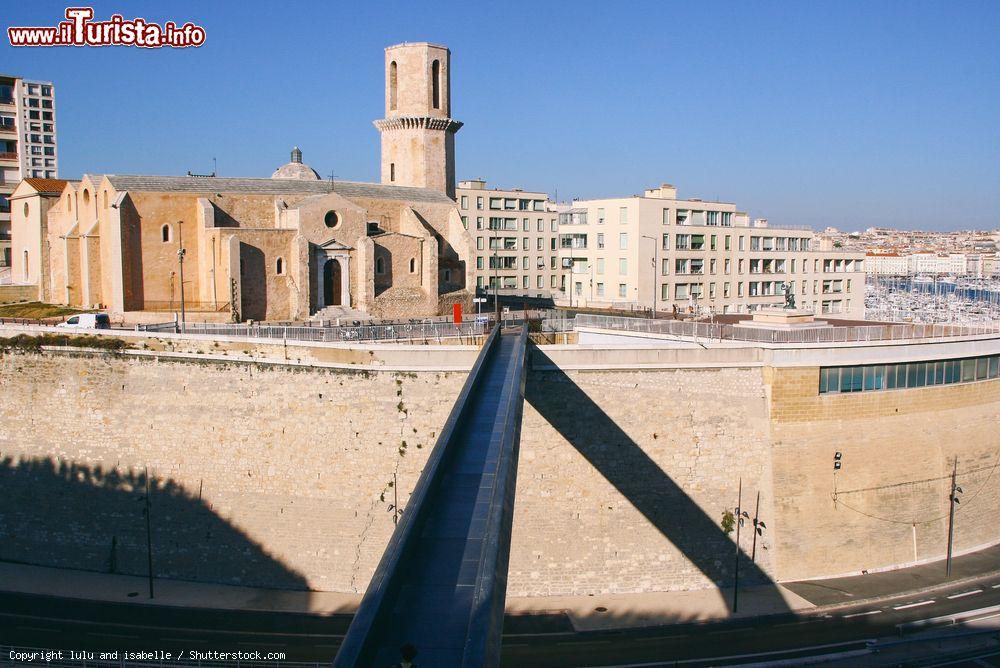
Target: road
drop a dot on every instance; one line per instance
(37, 621)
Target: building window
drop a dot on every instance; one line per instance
(436, 84)
(623, 215)
(834, 380)
(24, 268)
(479, 203)
(622, 290)
(413, 265)
(465, 202)
(25, 209)
(447, 275)
(623, 241)
(622, 266)
(86, 196)
(392, 172)
(600, 265)
(392, 85)
(279, 266)
(331, 219)
(165, 233)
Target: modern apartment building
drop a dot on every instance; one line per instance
(658, 251)
(515, 234)
(27, 142)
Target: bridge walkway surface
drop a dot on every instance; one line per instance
(441, 584)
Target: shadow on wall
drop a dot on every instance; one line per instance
(253, 283)
(75, 516)
(641, 481)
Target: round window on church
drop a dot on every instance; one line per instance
(332, 219)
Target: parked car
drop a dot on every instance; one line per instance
(88, 321)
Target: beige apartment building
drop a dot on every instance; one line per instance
(515, 235)
(27, 146)
(658, 251)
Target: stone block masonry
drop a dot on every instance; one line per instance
(277, 475)
(265, 476)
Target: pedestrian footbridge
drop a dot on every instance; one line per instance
(442, 581)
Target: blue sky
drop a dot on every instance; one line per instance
(819, 113)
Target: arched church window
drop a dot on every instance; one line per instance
(436, 84)
(24, 268)
(279, 266)
(331, 219)
(392, 85)
(165, 233)
(69, 203)
(86, 196)
(447, 275)
(105, 199)
(392, 172)
(413, 265)
(25, 209)
(379, 266)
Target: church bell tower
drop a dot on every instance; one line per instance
(418, 133)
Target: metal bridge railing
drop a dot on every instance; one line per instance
(836, 334)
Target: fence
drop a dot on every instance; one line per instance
(395, 333)
(836, 334)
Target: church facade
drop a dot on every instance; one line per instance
(282, 248)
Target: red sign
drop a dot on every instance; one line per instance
(456, 310)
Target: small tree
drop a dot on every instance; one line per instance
(728, 522)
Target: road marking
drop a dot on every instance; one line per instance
(996, 586)
(966, 593)
(862, 614)
(913, 605)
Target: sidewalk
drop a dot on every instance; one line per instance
(585, 613)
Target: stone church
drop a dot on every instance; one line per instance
(284, 248)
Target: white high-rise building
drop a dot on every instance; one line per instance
(27, 142)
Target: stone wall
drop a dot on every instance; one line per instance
(624, 477)
(275, 475)
(266, 476)
(888, 503)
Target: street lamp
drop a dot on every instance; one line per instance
(953, 500)
(180, 260)
(655, 281)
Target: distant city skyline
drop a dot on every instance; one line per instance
(845, 115)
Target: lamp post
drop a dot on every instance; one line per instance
(741, 515)
(655, 281)
(181, 252)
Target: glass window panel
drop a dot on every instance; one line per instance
(982, 367)
(939, 373)
(878, 380)
(890, 376)
(900, 376)
(824, 374)
(968, 370)
(952, 371)
(994, 366)
(869, 378)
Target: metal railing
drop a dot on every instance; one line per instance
(395, 333)
(836, 334)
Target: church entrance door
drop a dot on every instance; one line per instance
(332, 278)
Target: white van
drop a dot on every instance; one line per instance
(88, 321)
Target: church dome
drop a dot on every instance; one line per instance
(295, 169)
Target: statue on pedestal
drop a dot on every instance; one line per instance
(789, 296)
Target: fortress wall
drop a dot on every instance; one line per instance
(888, 504)
(273, 475)
(263, 475)
(624, 477)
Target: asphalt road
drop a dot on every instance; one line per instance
(36, 621)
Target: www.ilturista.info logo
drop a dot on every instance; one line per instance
(80, 30)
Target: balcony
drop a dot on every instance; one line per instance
(6, 100)
(8, 128)
(9, 156)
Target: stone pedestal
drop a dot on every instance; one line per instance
(784, 319)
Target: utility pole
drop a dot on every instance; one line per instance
(736, 570)
(952, 502)
(149, 536)
(758, 530)
(180, 260)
